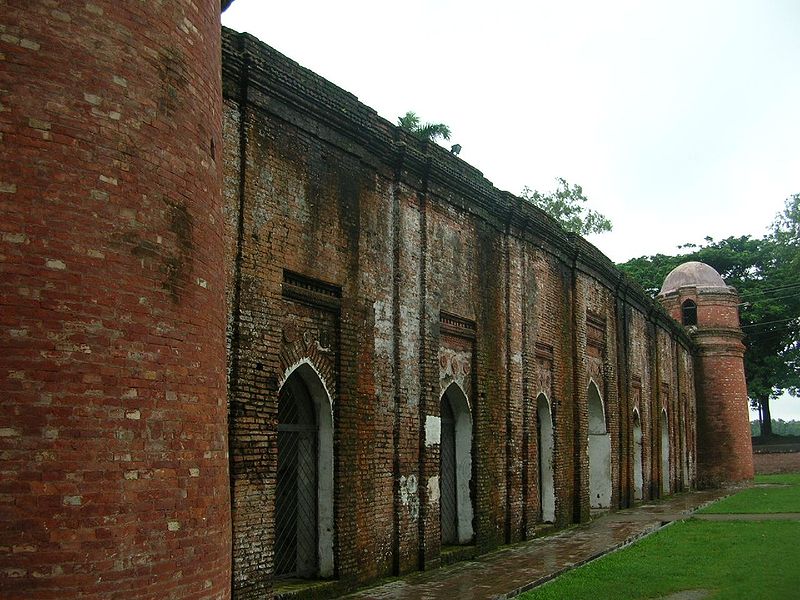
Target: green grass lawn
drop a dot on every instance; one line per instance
(729, 559)
(784, 499)
(736, 559)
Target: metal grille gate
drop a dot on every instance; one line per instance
(296, 489)
(447, 473)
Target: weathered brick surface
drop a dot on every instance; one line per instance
(641, 372)
(723, 439)
(444, 280)
(776, 462)
(114, 469)
(551, 327)
(382, 269)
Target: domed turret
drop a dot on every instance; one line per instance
(693, 273)
(695, 295)
(690, 282)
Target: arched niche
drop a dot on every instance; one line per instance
(455, 467)
(544, 430)
(684, 450)
(665, 452)
(599, 449)
(638, 481)
(304, 481)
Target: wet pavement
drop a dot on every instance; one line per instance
(512, 570)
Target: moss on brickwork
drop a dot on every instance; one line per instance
(443, 279)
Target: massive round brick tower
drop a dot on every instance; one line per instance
(694, 294)
(112, 371)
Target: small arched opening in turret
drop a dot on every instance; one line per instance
(689, 313)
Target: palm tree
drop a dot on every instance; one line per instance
(425, 131)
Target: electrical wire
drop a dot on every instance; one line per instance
(767, 291)
(764, 324)
(751, 302)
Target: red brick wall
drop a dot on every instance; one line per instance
(304, 213)
(549, 335)
(114, 434)
(776, 462)
(724, 447)
(412, 237)
(714, 307)
(113, 445)
(641, 374)
(722, 434)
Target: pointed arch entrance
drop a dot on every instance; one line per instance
(304, 480)
(544, 430)
(455, 467)
(638, 483)
(599, 452)
(664, 452)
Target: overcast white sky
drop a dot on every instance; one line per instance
(680, 119)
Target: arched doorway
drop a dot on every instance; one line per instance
(304, 481)
(664, 452)
(599, 452)
(638, 484)
(544, 430)
(455, 467)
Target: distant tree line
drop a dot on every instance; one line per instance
(779, 427)
(766, 273)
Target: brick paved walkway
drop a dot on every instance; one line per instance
(513, 570)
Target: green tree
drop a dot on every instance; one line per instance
(766, 273)
(566, 204)
(411, 123)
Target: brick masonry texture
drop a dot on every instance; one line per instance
(724, 442)
(112, 372)
(777, 462)
(443, 280)
(155, 215)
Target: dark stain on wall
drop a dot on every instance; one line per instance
(408, 232)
